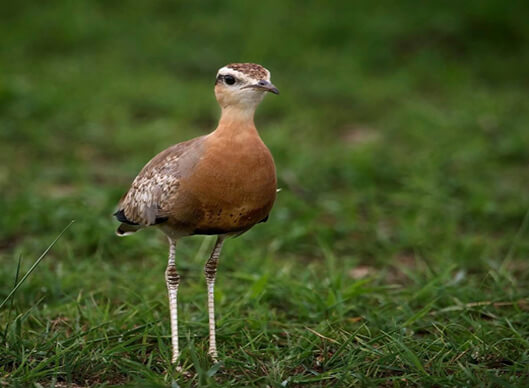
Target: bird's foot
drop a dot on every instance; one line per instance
(213, 355)
(182, 372)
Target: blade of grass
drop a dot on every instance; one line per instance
(35, 265)
(419, 314)
(412, 358)
(17, 273)
(16, 280)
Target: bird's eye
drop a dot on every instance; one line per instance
(229, 79)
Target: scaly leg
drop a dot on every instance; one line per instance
(172, 279)
(211, 271)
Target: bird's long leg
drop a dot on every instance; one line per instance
(172, 279)
(211, 271)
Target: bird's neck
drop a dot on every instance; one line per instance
(236, 120)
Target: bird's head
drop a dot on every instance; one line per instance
(242, 86)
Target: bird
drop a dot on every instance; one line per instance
(222, 184)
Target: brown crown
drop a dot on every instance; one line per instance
(251, 69)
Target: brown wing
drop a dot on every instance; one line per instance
(148, 200)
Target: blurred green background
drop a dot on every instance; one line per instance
(401, 142)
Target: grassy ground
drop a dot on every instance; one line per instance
(396, 255)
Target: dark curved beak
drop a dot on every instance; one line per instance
(265, 85)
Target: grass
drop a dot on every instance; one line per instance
(396, 254)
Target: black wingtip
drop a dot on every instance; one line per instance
(160, 220)
(120, 216)
(264, 219)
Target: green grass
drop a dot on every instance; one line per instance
(396, 254)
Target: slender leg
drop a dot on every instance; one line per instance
(211, 271)
(172, 279)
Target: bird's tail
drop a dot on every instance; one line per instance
(127, 229)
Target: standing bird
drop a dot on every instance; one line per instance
(219, 184)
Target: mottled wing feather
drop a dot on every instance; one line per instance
(155, 189)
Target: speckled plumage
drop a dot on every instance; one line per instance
(155, 189)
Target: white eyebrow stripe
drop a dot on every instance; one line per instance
(239, 75)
